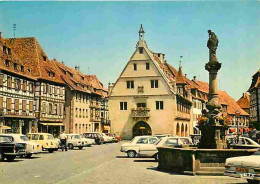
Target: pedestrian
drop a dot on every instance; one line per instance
(63, 141)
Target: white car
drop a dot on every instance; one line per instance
(88, 141)
(247, 167)
(242, 143)
(75, 140)
(107, 139)
(140, 145)
(31, 147)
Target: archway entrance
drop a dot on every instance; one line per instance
(141, 128)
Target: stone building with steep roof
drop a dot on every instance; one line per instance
(17, 87)
(49, 87)
(254, 91)
(149, 97)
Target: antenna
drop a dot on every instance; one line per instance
(14, 28)
(180, 61)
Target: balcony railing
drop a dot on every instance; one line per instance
(140, 113)
(105, 121)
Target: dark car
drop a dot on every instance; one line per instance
(94, 135)
(9, 149)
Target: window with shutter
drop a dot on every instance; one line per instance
(24, 85)
(9, 82)
(45, 87)
(9, 103)
(1, 79)
(1, 102)
(16, 104)
(24, 105)
(31, 106)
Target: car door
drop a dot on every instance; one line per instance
(146, 148)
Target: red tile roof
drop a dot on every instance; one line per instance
(180, 78)
(202, 86)
(30, 53)
(244, 101)
(14, 60)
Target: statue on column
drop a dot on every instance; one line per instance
(212, 44)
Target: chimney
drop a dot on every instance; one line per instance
(185, 75)
(194, 78)
(76, 67)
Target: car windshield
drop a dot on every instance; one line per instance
(24, 138)
(257, 152)
(158, 141)
(132, 140)
(76, 136)
(50, 137)
(5, 139)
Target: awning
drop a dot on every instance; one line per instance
(52, 124)
(106, 127)
(6, 127)
(232, 130)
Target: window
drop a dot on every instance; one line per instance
(16, 104)
(22, 68)
(9, 104)
(4, 49)
(140, 105)
(135, 66)
(9, 82)
(17, 84)
(24, 105)
(1, 79)
(1, 102)
(130, 84)
(86, 113)
(31, 106)
(44, 58)
(35, 137)
(50, 108)
(55, 91)
(31, 87)
(154, 83)
(9, 51)
(41, 137)
(7, 63)
(76, 112)
(24, 85)
(152, 140)
(123, 105)
(147, 66)
(56, 109)
(142, 141)
(141, 50)
(159, 105)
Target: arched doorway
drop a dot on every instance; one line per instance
(141, 128)
(182, 130)
(178, 129)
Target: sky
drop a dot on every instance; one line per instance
(100, 37)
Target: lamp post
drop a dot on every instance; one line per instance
(237, 114)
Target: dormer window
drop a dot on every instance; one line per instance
(15, 66)
(8, 51)
(44, 58)
(22, 68)
(49, 74)
(7, 63)
(141, 50)
(82, 78)
(4, 49)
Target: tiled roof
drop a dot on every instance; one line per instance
(255, 81)
(180, 78)
(30, 53)
(72, 77)
(244, 101)
(202, 86)
(232, 106)
(15, 65)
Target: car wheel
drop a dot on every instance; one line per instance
(1, 157)
(156, 157)
(51, 151)
(252, 181)
(131, 154)
(80, 147)
(70, 146)
(29, 155)
(10, 158)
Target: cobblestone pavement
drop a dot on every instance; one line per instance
(103, 164)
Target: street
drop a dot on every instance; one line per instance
(97, 164)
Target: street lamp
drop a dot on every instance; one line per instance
(237, 114)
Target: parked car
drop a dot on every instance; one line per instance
(88, 141)
(75, 140)
(94, 135)
(118, 137)
(107, 139)
(31, 147)
(45, 139)
(113, 137)
(247, 167)
(139, 145)
(159, 136)
(10, 149)
(242, 143)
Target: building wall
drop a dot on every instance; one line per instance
(22, 102)
(255, 105)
